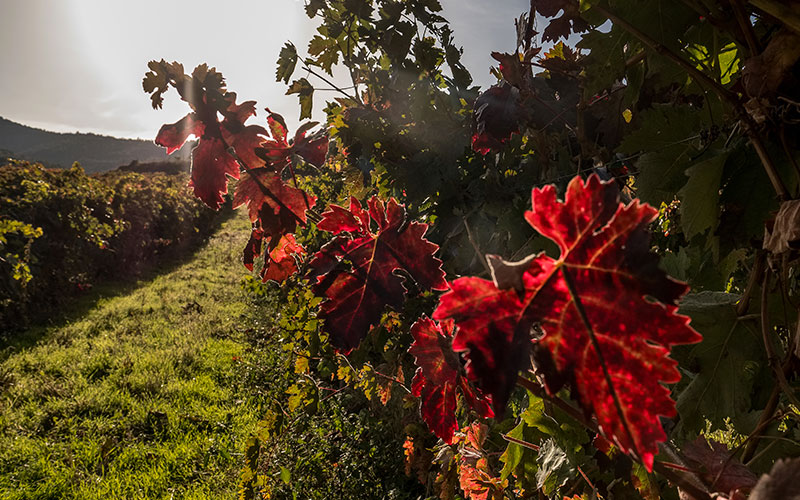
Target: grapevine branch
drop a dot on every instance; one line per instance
(747, 28)
(772, 357)
(767, 415)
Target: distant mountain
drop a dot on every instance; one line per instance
(95, 153)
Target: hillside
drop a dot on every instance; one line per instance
(95, 153)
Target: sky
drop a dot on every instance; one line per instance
(77, 65)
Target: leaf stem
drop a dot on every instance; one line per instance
(780, 375)
(333, 85)
(520, 442)
(752, 282)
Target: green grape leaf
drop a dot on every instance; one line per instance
(287, 60)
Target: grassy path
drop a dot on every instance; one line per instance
(140, 397)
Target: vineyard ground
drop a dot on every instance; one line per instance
(139, 397)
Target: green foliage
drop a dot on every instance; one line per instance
(21, 235)
(326, 438)
(64, 230)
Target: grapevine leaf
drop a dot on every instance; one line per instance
(728, 361)
(785, 232)
(438, 376)
(243, 139)
(287, 60)
(518, 460)
(305, 92)
(261, 186)
(357, 274)
(555, 468)
(477, 483)
(253, 248)
(277, 127)
(667, 148)
(511, 67)
(508, 350)
(278, 150)
(781, 482)
(700, 196)
(205, 93)
(157, 80)
(313, 148)
(496, 116)
(173, 136)
(606, 275)
(715, 466)
(338, 219)
(281, 263)
(211, 162)
(561, 27)
(275, 208)
(644, 482)
(474, 475)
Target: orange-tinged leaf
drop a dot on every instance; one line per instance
(281, 262)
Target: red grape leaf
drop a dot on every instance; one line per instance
(275, 208)
(278, 151)
(174, 135)
(496, 116)
(253, 248)
(261, 187)
(211, 162)
(281, 262)
(243, 138)
(313, 148)
(720, 472)
(338, 219)
(507, 351)
(438, 376)
(357, 273)
(205, 92)
(569, 21)
(628, 302)
(474, 475)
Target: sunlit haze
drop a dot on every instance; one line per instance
(77, 65)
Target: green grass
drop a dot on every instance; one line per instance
(140, 397)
